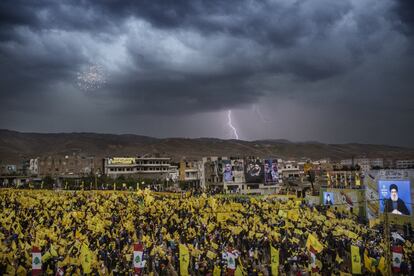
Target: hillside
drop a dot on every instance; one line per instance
(15, 146)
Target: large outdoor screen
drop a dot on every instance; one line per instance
(395, 196)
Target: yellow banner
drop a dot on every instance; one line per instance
(356, 260)
(86, 258)
(274, 254)
(122, 160)
(184, 260)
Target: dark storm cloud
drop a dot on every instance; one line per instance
(405, 10)
(183, 57)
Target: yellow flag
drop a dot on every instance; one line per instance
(274, 254)
(297, 231)
(356, 260)
(338, 259)
(46, 257)
(381, 266)
(330, 215)
(184, 260)
(86, 258)
(239, 271)
(373, 222)
(21, 270)
(293, 214)
(314, 243)
(352, 235)
(223, 217)
(295, 240)
(14, 247)
(211, 255)
(216, 271)
(344, 274)
(53, 251)
(368, 262)
(282, 213)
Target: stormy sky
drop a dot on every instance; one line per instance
(320, 70)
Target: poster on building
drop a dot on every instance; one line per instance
(271, 173)
(395, 197)
(254, 172)
(227, 171)
(328, 198)
(238, 165)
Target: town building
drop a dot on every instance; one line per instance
(156, 168)
(191, 172)
(404, 164)
(74, 165)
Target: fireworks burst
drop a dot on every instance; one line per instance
(94, 77)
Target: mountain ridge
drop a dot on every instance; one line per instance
(16, 146)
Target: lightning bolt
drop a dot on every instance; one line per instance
(231, 125)
(259, 113)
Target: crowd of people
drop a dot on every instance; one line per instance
(105, 225)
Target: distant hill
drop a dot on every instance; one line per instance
(15, 146)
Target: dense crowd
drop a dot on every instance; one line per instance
(107, 224)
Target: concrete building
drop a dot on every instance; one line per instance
(74, 165)
(191, 172)
(347, 162)
(157, 168)
(211, 170)
(291, 169)
(389, 163)
(376, 162)
(404, 164)
(364, 163)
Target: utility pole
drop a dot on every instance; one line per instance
(387, 251)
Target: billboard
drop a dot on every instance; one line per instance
(395, 196)
(254, 172)
(344, 199)
(380, 195)
(11, 168)
(328, 198)
(227, 171)
(121, 161)
(271, 174)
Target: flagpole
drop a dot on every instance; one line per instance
(388, 259)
